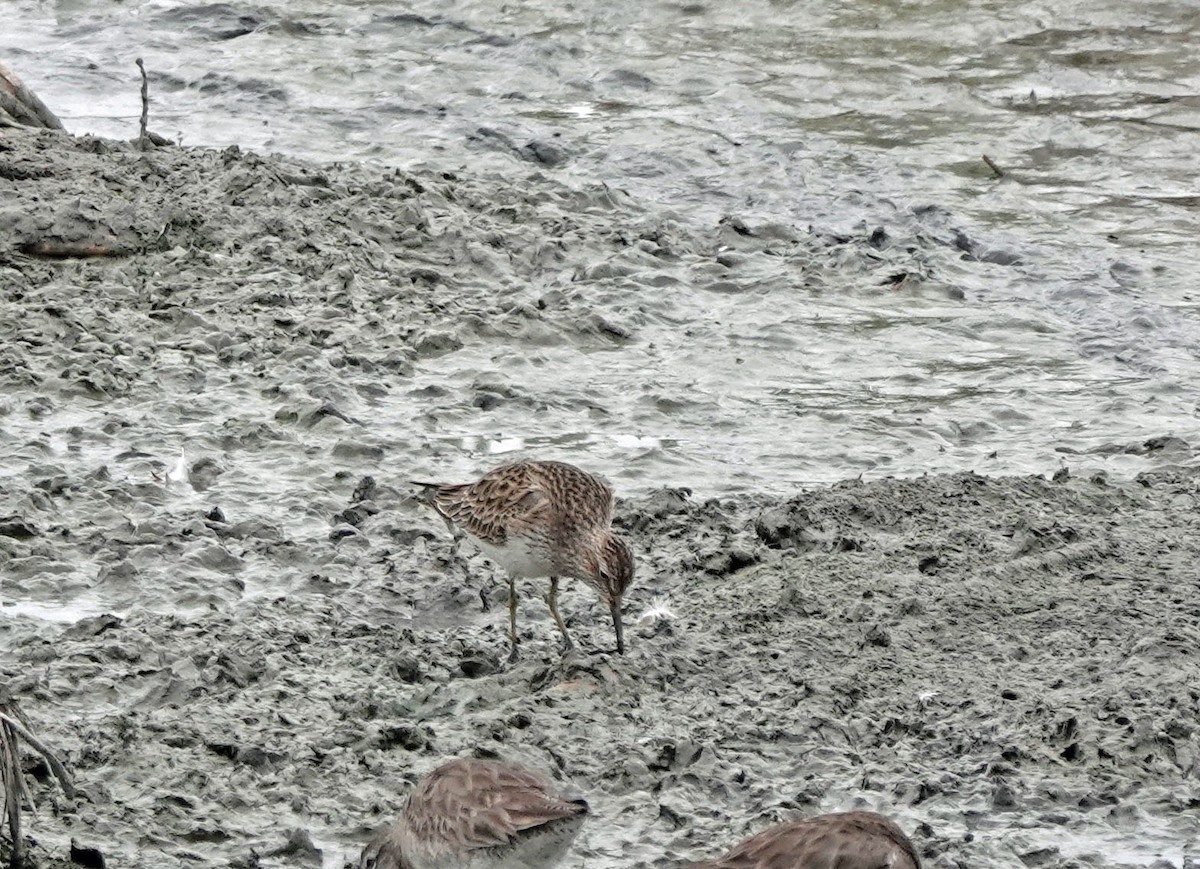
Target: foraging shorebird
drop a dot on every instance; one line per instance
(479, 814)
(542, 519)
(843, 840)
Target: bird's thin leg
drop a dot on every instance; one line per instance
(552, 600)
(512, 617)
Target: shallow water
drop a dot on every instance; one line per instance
(1047, 313)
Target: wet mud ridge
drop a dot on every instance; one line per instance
(247, 656)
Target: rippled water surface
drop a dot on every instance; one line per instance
(1048, 312)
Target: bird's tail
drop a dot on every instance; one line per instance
(429, 497)
(428, 490)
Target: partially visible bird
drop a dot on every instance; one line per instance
(842, 840)
(479, 814)
(539, 519)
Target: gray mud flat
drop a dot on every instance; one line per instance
(1006, 665)
(249, 662)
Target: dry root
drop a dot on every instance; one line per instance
(14, 729)
(20, 107)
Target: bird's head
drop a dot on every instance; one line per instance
(611, 574)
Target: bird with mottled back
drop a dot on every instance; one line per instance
(842, 840)
(539, 519)
(479, 814)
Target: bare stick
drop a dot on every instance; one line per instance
(12, 761)
(143, 141)
(10, 768)
(17, 110)
(991, 165)
(37, 745)
(12, 86)
(69, 249)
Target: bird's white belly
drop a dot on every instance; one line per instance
(519, 556)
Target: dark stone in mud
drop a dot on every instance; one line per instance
(17, 528)
(87, 855)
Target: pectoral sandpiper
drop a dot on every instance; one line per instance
(479, 814)
(542, 519)
(843, 840)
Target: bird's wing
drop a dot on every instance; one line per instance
(590, 496)
(846, 840)
(507, 500)
(468, 804)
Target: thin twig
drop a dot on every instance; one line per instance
(13, 778)
(37, 745)
(12, 763)
(11, 85)
(69, 249)
(143, 140)
(991, 165)
(17, 110)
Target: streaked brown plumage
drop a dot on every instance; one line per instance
(843, 840)
(479, 814)
(538, 519)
